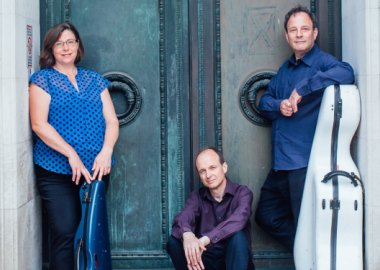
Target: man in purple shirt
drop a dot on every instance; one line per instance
(213, 231)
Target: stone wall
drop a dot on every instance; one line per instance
(361, 49)
(20, 210)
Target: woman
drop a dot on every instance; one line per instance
(76, 126)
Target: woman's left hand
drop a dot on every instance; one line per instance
(102, 164)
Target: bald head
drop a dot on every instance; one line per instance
(212, 149)
(211, 170)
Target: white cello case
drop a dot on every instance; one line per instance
(332, 238)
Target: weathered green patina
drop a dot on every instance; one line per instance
(182, 73)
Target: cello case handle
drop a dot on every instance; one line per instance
(351, 176)
(77, 253)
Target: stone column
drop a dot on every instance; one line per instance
(20, 210)
(360, 32)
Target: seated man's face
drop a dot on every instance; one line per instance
(300, 35)
(211, 172)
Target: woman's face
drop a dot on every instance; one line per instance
(65, 49)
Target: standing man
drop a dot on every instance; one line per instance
(213, 231)
(292, 102)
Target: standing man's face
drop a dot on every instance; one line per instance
(211, 172)
(300, 35)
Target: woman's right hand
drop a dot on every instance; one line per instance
(78, 169)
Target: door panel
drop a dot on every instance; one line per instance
(253, 42)
(113, 45)
(137, 45)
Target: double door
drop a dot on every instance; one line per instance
(184, 75)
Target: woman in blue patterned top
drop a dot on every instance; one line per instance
(76, 126)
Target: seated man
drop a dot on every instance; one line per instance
(213, 231)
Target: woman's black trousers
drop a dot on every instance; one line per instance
(60, 195)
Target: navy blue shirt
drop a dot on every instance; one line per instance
(76, 115)
(292, 137)
(204, 216)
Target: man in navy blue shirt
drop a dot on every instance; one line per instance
(292, 102)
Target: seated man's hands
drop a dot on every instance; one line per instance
(194, 248)
(205, 240)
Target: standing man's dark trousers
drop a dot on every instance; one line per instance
(236, 254)
(280, 203)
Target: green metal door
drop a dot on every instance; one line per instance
(184, 75)
(253, 48)
(237, 46)
(138, 46)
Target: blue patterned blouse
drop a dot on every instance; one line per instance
(76, 115)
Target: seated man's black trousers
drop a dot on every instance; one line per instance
(236, 254)
(280, 203)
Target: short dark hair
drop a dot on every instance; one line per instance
(298, 9)
(47, 59)
(220, 155)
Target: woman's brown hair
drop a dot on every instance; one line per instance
(47, 59)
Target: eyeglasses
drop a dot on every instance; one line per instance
(70, 43)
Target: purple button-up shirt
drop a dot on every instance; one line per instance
(204, 216)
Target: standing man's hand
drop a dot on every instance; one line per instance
(294, 100)
(194, 248)
(286, 108)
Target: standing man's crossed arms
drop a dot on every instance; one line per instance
(292, 102)
(213, 231)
